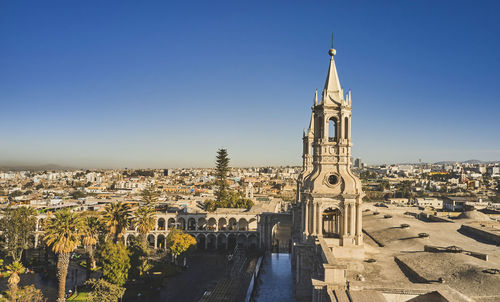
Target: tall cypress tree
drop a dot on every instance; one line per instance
(221, 171)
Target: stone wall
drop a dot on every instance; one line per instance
(481, 234)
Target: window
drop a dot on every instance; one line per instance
(317, 127)
(333, 179)
(346, 127)
(332, 130)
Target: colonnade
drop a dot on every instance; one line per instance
(336, 221)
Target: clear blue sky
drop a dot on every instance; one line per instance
(164, 84)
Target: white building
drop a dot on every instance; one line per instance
(428, 202)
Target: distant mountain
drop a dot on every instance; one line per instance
(470, 161)
(473, 161)
(449, 162)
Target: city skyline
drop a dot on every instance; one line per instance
(123, 85)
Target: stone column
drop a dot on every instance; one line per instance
(313, 217)
(353, 219)
(349, 129)
(359, 225)
(318, 221)
(306, 219)
(342, 128)
(344, 220)
(156, 241)
(310, 224)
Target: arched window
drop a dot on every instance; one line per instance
(317, 127)
(346, 127)
(331, 223)
(332, 130)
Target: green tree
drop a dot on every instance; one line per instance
(26, 293)
(91, 229)
(18, 225)
(221, 171)
(210, 205)
(144, 266)
(63, 232)
(117, 219)
(115, 260)
(150, 195)
(104, 291)
(13, 270)
(78, 194)
(178, 242)
(138, 253)
(145, 221)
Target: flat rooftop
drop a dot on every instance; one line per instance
(387, 240)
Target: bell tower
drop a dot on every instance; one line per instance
(329, 193)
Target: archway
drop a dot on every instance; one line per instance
(332, 129)
(151, 241)
(281, 236)
(211, 241)
(231, 241)
(222, 224)
(253, 243)
(171, 223)
(160, 242)
(212, 224)
(200, 241)
(182, 223)
(331, 223)
(191, 224)
(232, 224)
(130, 240)
(346, 127)
(202, 224)
(242, 225)
(221, 241)
(161, 224)
(242, 241)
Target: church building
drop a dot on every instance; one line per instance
(329, 195)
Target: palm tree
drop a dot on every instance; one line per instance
(13, 270)
(117, 219)
(63, 232)
(145, 221)
(91, 227)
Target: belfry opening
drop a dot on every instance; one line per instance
(331, 223)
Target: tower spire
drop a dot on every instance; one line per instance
(316, 98)
(332, 83)
(310, 131)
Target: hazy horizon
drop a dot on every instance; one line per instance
(126, 84)
(18, 166)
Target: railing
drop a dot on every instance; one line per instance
(255, 275)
